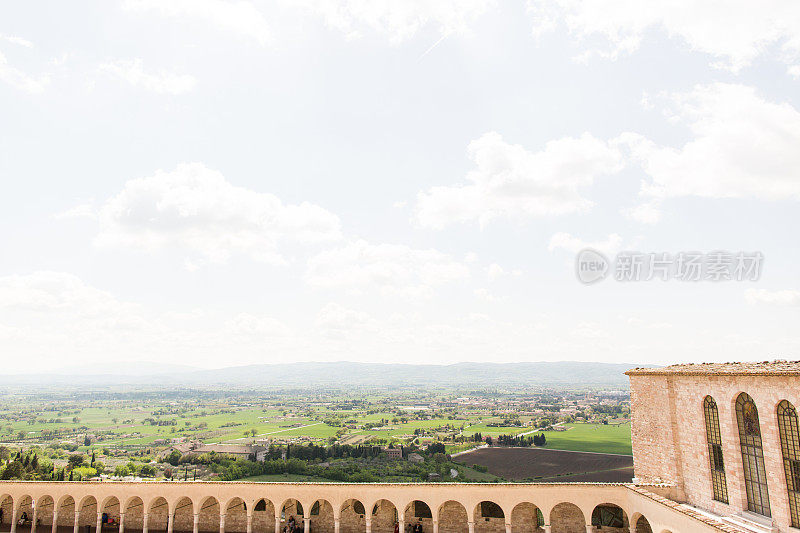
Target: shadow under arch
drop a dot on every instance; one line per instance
(183, 515)
(65, 511)
(526, 517)
(452, 517)
(352, 517)
(489, 517)
(264, 516)
(567, 517)
(208, 515)
(235, 515)
(321, 519)
(384, 516)
(610, 516)
(643, 525)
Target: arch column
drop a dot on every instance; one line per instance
(435, 527)
(306, 524)
(250, 522)
(368, 520)
(54, 527)
(170, 521)
(221, 522)
(33, 516)
(278, 521)
(14, 519)
(547, 528)
(196, 526)
(99, 520)
(471, 526)
(145, 520)
(508, 525)
(590, 528)
(77, 516)
(122, 521)
(336, 524)
(401, 525)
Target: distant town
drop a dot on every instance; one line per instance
(368, 435)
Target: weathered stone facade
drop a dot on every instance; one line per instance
(669, 431)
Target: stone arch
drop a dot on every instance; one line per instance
(352, 517)
(65, 508)
(525, 518)
(264, 516)
(610, 516)
(209, 514)
(110, 511)
(183, 515)
(7, 505)
(45, 506)
(158, 514)
(87, 512)
(25, 509)
(321, 517)
(133, 513)
(236, 515)
(566, 517)
(643, 525)
(291, 508)
(452, 517)
(489, 517)
(384, 516)
(419, 512)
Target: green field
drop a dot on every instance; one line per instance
(592, 438)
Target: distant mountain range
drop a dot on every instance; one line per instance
(338, 375)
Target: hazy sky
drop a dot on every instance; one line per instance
(214, 182)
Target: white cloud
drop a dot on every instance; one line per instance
(195, 209)
(512, 182)
(742, 146)
(237, 16)
(644, 213)
(162, 81)
(19, 79)
(565, 241)
(494, 271)
(764, 296)
(389, 268)
(733, 33)
(398, 21)
(13, 39)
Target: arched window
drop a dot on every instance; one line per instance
(714, 439)
(755, 477)
(790, 447)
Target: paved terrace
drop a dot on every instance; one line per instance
(172, 507)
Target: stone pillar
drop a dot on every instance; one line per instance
(471, 527)
(306, 525)
(369, 524)
(221, 522)
(121, 522)
(590, 528)
(75, 523)
(435, 526)
(508, 527)
(99, 521)
(401, 525)
(33, 518)
(336, 523)
(547, 528)
(277, 521)
(170, 521)
(54, 527)
(14, 520)
(196, 526)
(250, 523)
(145, 520)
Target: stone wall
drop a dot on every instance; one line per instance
(667, 411)
(567, 518)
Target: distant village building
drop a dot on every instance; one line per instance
(236, 451)
(393, 453)
(415, 458)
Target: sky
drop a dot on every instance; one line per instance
(217, 183)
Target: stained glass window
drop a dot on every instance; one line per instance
(790, 448)
(755, 477)
(714, 439)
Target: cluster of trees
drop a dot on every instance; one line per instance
(520, 442)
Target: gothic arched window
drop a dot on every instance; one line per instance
(790, 448)
(755, 477)
(714, 439)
